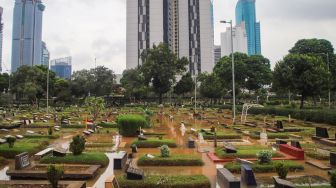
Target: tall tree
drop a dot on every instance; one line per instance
(62, 90)
(160, 67)
(303, 74)
(211, 86)
(4, 82)
(185, 85)
(134, 84)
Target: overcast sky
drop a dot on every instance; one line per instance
(85, 29)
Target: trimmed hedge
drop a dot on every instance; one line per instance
(220, 135)
(154, 143)
(293, 166)
(31, 146)
(84, 158)
(129, 125)
(179, 181)
(108, 124)
(174, 160)
(243, 152)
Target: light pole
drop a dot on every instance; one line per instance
(48, 89)
(233, 73)
(195, 76)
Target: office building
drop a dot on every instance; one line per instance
(239, 40)
(1, 37)
(186, 26)
(62, 67)
(45, 58)
(27, 33)
(246, 13)
(217, 53)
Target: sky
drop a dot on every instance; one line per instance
(89, 29)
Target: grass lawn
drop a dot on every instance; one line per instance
(84, 158)
(154, 143)
(174, 160)
(235, 167)
(244, 152)
(30, 145)
(179, 181)
(221, 135)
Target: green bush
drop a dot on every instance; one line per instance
(84, 158)
(174, 160)
(77, 146)
(333, 179)
(265, 156)
(54, 174)
(108, 124)
(154, 143)
(165, 152)
(10, 140)
(50, 131)
(178, 181)
(293, 166)
(220, 135)
(244, 152)
(282, 170)
(129, 125)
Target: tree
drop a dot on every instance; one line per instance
(4, 82)
(303, 74)
(10, 140)
(94, 105)
(134, 83)
(160, 67)
(62, 90)
(54, 174)
(185, 85)
(211, 86)
(77, 146)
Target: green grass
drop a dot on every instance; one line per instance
(271, 135)
(31, 145)
(174, 160)
(108, 124)
(154, 143)
(235, 167)
(98, 145)
(84, 158)
(178, 181)
(244, 152)
(54, 136)
(221, 135)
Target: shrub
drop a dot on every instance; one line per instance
(293, 166)
(173, 160)
(154, 143)
(129, 125)
(333, 179)
(282, 170)
(10, 140)
(265, 156)
(54, 174)
(50, 131)
(165, 152)
(178, 181)
(108, 124)
(77, 145)
(84, 158)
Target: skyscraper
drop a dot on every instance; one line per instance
(27, 33)
(45, 55)
(246, 12)
(62, 67)
(1, 37)
(217, 53)
(239, 40)
(186, 26)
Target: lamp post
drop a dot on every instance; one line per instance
(195, 77)
(48, 88)
(233, 73)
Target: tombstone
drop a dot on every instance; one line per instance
(134, 148)
(128, 164)
(322, 132)
(120, 159)
(91, 131)
(141, 137)
(22, 161)
(134, 174)
(87, 133)
(281, 183)
(296, 144)
(191, 143)
(280, 141)
(247, 175)
(230, 149)
(19, 136)
(333, 158)
(279, 125)
(59, 152)
(226, 179)
(2, 141)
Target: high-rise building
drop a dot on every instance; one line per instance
(27, 33)
(1, 37)
(45, 58)
(217, 53)
(239, 40)
(186, 26)
(246, 12)
(62, 67)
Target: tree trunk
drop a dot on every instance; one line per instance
(302, 100)
(314, 101)
(160, 98)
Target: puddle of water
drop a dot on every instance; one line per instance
(3, 175)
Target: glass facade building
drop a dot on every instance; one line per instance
(246, 12)
(62, 67)
(27, 33)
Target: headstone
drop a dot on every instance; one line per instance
(22, 161)
(279, 125)
(280, 141)
(230, 149)
(191, 143)
(296, 144)
(247, 175)
(2, 141)
(134, 174)
(281, 183)
(141, 137)
(59, 152)
(134, 148)
(322, 132)
(91, 130)
(87, 133)
(120, 159)
(333, 158)
(19, 136)
(226, 179)
(4, 130)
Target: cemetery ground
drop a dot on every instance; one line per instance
(199, 144)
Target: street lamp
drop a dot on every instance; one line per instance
(195, 76)
(48, 89)
(233, 72)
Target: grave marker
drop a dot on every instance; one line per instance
(333, 158)
(296, 144)
(22, 161)
(322, 132)
(247, 175)
(226, 179)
